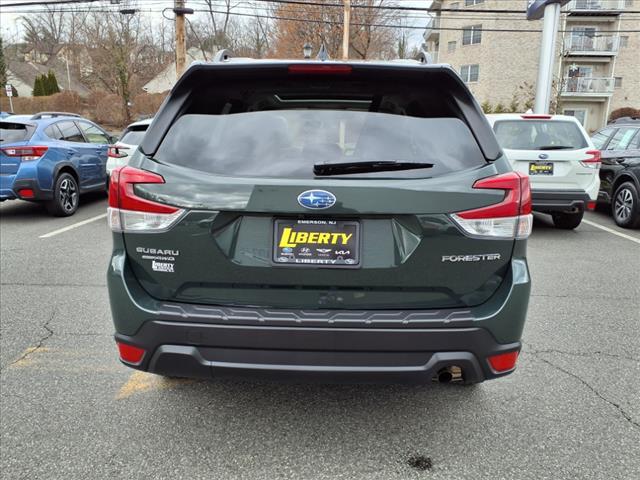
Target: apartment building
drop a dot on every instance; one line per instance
(597, 61)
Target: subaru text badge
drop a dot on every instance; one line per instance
(316, 199)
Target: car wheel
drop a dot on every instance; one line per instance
(66, 195)
(567, 221)
(626, 206)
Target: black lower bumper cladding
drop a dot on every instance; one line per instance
(559, 200)
(315, 354)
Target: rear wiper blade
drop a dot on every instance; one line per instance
(556, 147)
(327, 169)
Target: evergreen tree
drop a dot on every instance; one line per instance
(38, 87)
(52, 83)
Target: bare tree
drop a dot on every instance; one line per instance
(44, 31)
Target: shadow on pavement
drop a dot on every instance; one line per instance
(25, 210)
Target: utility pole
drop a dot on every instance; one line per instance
(345, 31)
(549, 10)
(181, 41)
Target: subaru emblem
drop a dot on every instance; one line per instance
(543, 156)
(316, 199)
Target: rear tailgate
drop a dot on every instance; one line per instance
(245, 195)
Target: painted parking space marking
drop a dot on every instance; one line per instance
(73, 225)
(611, 230)
(140, 382)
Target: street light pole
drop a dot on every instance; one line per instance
(345, 31)
(547, 57)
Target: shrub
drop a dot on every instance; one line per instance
(486, 107)
(624, 112)
(500, 108)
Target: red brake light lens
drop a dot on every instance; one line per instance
(27, 153)
(503, 362)
(536, 116)
(116, 151)
(595, 161)
(319, 68)
(130, 354)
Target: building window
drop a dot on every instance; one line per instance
(624, 41)
(451, 46)
(470, 73)
(471, 35)
(579, 113)
(617, 82)
(472, 2)
(628, 3)
(454, 6)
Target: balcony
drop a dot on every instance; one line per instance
(432, 32)
(585, 45)
(595, 7)
(587, 87)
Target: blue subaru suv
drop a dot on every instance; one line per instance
(52, 158)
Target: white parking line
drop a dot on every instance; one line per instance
(610, 230)
(73, 225)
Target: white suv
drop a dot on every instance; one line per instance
(560, 159)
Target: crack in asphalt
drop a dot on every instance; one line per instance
(617, 406)
(40, 343)
(597, 353)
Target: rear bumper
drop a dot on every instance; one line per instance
(327, 345)
(559, 200)
(10, 186)
(321, 354)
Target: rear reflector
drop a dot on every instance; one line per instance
(511, 218)
(591, 205)
(130, 354)
(128, 212)
(503, 362)
(26, 193)
(314, 68)
(27, 153)
(595, 161)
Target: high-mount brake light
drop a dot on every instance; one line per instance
(510, 218)
(594, 162)
(536, 116)
(26, 153)
(316, 68)
(117, 151)
(130, 213)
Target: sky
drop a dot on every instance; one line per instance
(11, 30)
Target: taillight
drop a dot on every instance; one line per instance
(26, 193)
(594, 162)
(26, 153)
(130, 354)
(116, 151)
(503, 362)
(130, 213)
(320, 68)
(511, 218)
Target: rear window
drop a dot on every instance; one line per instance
(133, 137)
(14, 132)
(283, 130)
(539, 135)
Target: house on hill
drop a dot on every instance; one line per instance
(166, 79)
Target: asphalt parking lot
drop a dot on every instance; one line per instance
(70, 410)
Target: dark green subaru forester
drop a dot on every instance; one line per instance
(337, 221)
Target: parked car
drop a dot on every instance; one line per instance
(132, 136)
(560, 159)
(332, 219)
(52, 158)
(620, 172)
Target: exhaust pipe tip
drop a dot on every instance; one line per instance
(449, 374)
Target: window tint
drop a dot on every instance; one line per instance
(539, 135)
(53, 132)
(600, 138)
(622, 138)
(14, 132)
(94, 134)
(70, 132)
(133, 137)
(287, 143)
